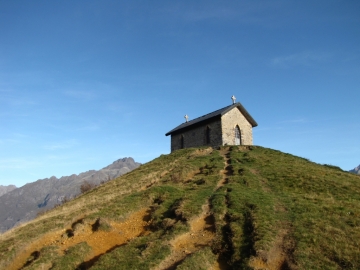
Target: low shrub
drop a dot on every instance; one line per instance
(86, 186)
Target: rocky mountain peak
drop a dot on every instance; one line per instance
(356, 170)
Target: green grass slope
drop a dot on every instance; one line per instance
(268, 210)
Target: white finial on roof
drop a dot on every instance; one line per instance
(233, 99)
(186, 117)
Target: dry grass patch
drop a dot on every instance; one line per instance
(99, 237)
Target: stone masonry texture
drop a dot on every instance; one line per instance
(222, 132)
(228, 123)
(196, 136)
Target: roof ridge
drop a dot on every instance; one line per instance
(210, 113)
(213, 114)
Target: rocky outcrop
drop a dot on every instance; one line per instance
(24, 203)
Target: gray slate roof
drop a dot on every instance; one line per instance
(218, 113)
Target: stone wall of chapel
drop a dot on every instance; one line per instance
(229, 121)
(197, 136)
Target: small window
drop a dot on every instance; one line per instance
(237, 136)
(182, 142)
(207, 135)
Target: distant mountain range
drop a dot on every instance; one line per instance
(18, 205)
(6, 189)
(356, 170)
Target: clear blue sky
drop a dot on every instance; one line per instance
(83, 83)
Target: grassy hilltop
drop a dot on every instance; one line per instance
(245, 207)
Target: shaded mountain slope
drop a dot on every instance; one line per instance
(6, 189)
(24, 203)
(241, 207)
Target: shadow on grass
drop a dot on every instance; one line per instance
(33, 257)
(88, 264)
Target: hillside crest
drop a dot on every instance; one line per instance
(245, 207)
(23, 204)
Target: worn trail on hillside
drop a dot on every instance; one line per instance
(221, 263)
(226, 171)
(202, 232)
(100, 241)
(279, 256)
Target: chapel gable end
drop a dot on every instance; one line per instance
(231, 125)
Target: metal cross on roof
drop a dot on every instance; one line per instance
(233, 99)
(186, 118)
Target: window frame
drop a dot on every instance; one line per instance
(238, 138)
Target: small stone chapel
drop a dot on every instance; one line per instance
(231, 125)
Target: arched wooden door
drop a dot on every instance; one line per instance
(237, 136)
